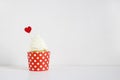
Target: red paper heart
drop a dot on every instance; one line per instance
(28, 29)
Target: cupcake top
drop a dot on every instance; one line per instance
(37, 44)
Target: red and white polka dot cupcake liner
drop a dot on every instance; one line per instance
(38, 61)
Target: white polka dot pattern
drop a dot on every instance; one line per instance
(38, 61)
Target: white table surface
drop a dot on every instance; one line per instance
(62, 73)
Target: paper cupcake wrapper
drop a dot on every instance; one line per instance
(38, 61)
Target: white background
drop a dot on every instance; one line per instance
(77, 32)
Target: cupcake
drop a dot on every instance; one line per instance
(38, 55)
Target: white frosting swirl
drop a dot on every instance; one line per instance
(37, 43)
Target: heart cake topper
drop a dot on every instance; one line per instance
(28, 29)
